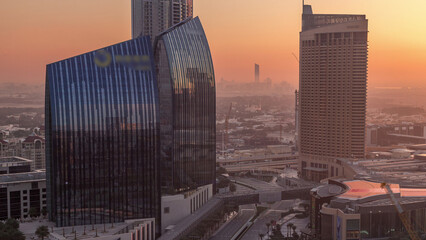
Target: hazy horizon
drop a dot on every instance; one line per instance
(240, 33)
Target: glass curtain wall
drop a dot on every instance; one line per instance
(188, 103)
(102, 124)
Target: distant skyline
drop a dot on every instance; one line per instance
(240, 33)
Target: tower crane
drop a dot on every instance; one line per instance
(403, 215)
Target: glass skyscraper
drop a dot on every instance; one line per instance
(102, 130)
(187, 107)
(126, 124)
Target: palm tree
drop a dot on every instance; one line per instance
(289, 226)
(42, 232)
(273, 224)
(278, 227)
(294, 231)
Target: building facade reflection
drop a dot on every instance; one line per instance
(102, 130)
(187, 107)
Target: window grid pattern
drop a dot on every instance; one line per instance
(102, 138)
(190, 156)
(333, 88)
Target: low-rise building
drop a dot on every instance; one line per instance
(316, 168)
(177, 207)
(279, 149)
(21, 193)
(359, 209)
(136, 229)
(4, 148)
(9, 165)
(33, 147)
(393, 134)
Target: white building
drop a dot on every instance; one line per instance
(137, 229)
(21, 192)
(33, 148)
(177, 207)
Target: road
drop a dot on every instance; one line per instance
(258, 165)
(231, 228)
(260, 158)
(258, 184)
(274, 213)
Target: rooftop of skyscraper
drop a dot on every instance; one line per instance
(311, 20)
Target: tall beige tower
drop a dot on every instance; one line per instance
(332, 92)
(151, 17)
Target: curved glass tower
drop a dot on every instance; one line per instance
(187, 107)
(102, 125)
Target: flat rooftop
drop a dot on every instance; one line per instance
(192, 219)
(407, 172)
(99, 231)
(360, 189)
(9, 160)
(360, 196)
(35, 176)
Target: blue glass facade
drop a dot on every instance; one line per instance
(102, 130)
(187, 107)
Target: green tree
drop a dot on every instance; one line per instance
(276, 233)
(268, 225)
(278, 227)
(295, 235)
(33, 212)
(223, 182)
(232, 187)
(44, 211)
(289, 226)
(221, 170)
(42, 232)
(12, 223)
(9, 232)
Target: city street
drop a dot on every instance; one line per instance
(231, 228)
(274, 213)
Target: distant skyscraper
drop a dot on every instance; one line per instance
(256, 73)
(151, 17)
(102, 136)
(187, 108)
(332, 91)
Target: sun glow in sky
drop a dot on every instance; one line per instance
(34, 33)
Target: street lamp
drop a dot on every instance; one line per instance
(370, 224)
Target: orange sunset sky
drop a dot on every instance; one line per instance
(240, 32)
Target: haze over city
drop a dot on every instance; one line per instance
(212, 120)
(240, 33)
